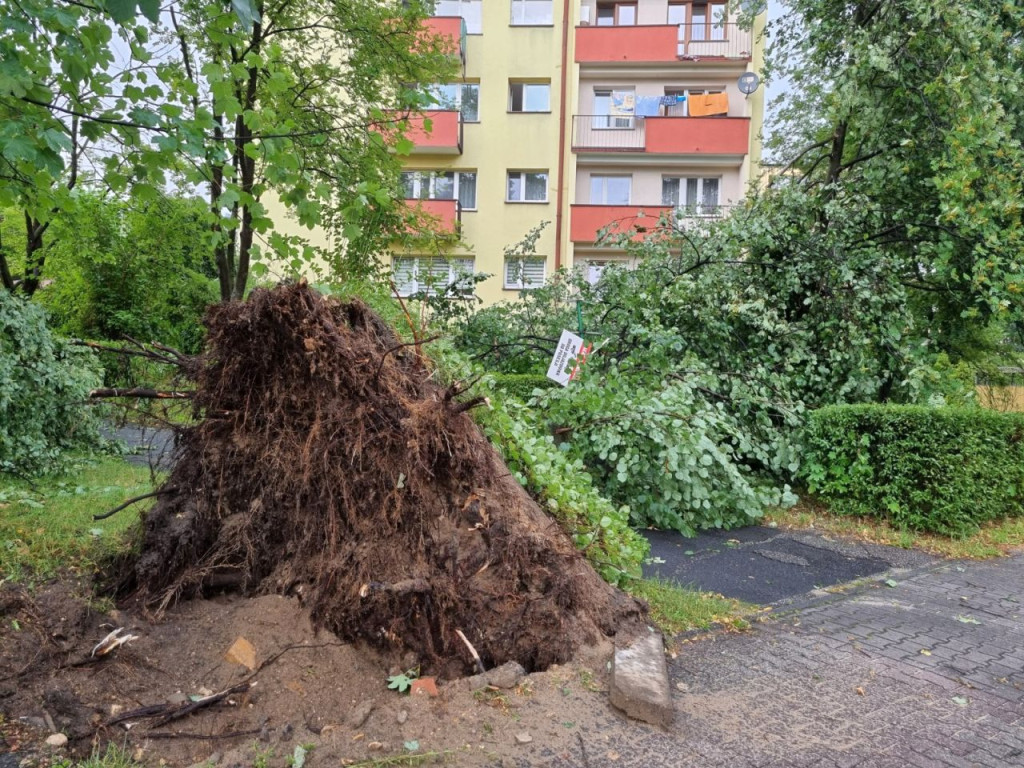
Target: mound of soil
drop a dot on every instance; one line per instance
(310, 689)
(332, 466)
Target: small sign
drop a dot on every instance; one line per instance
(569, 358)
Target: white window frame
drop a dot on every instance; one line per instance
(699, 208)
(514, 273)
(451, 270)
(524, 84)
(522, 178)
(596, 267)
(429, 180)
(712, 24)
(474, 21)
(433, 92)
(518, 16)
(603, 177)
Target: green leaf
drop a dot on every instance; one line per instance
(247, 12)
(121, 11)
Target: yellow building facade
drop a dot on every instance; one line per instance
(584, 114)
(581, 114)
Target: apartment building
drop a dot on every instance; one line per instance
(584, 114)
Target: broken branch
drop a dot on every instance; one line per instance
(151, 394)
(131, 501)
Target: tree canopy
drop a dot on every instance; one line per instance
(299, 99)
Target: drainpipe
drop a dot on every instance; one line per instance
(563, 108)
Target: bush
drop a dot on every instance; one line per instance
(522, 385)
(44, 383)
(945, 470)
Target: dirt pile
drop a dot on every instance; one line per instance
(331, 465)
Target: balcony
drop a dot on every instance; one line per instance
(585, 221)
(439, 217)
(452, 31)
(661, 135)
(444, 136)
(663, 43)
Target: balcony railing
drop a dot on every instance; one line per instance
(442, 217)
(444, 136)
(451, 29)
(663, 43)
(661, 135)
(587, 220)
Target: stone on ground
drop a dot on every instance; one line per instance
(639, 685)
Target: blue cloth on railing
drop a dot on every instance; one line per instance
(648, 106)
(675, 98)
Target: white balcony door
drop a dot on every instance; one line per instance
(604, 114)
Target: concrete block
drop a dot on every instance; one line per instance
(639, 685)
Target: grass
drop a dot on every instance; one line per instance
(676, 609)
(995, 539)
(46, 526)
(113, 757)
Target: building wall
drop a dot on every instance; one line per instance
(503, 141)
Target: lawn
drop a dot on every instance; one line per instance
(47, 525)
(996, 539)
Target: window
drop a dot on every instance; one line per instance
(465, 97)
(432, 276)
(532, 12)
(441, 185)
(614, 109)
(527, 187)
(467, 9)
(616, 14)
(681, 108)
(677, 13)
(529, 97)
(610, 190)
(524, 273)
(696, 195)
(708, 22)
(594, 268)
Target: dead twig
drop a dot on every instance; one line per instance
(143, 392)
(201, 736)
(132, 500)
(472, 650)
(206, 701)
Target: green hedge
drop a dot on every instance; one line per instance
(945, 470)
(522, 385)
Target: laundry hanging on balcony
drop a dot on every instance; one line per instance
(707, 104)
(648, 106)
(623, 104)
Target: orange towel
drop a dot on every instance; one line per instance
(708, 104)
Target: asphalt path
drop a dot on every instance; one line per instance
(766, 565)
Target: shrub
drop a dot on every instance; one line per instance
(44, 383)
(945, 470)
(522, 385)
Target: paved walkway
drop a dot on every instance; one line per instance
(929, 672)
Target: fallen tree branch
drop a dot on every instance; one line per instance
(206, 701)
(202, 736)
(131, 501)
(181, 361)
(145, 392)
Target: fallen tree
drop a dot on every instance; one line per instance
(333, 466)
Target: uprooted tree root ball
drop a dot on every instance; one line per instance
(331, 465)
